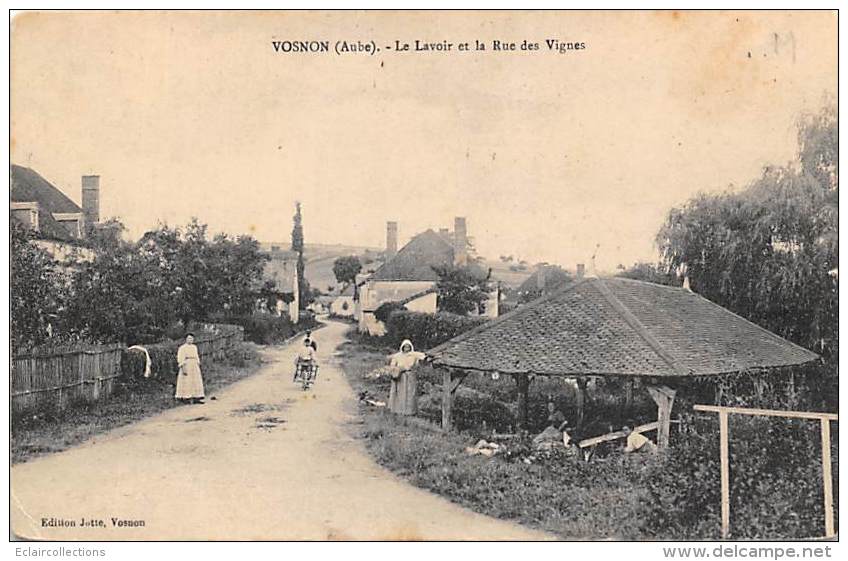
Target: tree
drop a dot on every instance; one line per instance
(345, 269)
(461, 290)
(649, 272)
(134, 292)
(35, 292)
(304, 291)
(770, 252)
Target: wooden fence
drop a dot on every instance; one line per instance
(724, 452)
(57, 379)
(216, 339)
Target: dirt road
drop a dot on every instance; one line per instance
(265, 461)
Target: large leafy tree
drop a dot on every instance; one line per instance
(35, 291)
(345, 269)
(650, 272)
(461, 290)
(770, 252)
(134, 291)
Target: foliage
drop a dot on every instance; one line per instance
(267, 329)
(770, 252)
(555, 277)
(775, 482)
(345, 269)
(136, 292)
(650, 272)
(462, 290)
(304, 292)
(36, 290)
(386, 309)
(427, 330)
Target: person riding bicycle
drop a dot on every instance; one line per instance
(305, 358)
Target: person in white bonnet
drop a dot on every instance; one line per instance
(403, 398)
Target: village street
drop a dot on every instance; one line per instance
(264, 461)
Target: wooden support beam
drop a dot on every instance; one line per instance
(628, 395)
(523, 383)
(768, 412)
(581, 401)
(827, 476)
(616, 435)
(447, 400)
(725, 474)
(459, 379)
(663, 396)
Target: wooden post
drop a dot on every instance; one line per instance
(581, 401)
(628, 395)
(725, 475)
(523, 383)
(663, 396)
(829, 530)
(447, 400)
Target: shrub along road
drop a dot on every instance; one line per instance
(264, 461)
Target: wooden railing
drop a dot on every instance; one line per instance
(724, 452)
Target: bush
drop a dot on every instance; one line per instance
(267, 329)
(775, 482)
(427, 330)
(385, 310)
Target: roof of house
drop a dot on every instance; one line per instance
(415, 261)
(619, 327)
(554, 277)
(28, 186)
(417, 295)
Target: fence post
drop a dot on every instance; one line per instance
(725, 475)
(829, 530)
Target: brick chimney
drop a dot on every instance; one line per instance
(460, 242)
(391, 239)
(91, 198)
(581, 270)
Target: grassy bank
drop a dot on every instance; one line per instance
(46, 431)
(554, 493)
(775, 488)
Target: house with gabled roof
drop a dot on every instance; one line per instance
(408, 276)
(58, 223)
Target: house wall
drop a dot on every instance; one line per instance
(337, 307)
(369, 324)
(375, 293)
(425, 304)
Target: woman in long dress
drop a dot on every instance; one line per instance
(403, 398)
(189, 378)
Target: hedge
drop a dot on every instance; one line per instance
(267, 329)
(427, 330)
(163, 355)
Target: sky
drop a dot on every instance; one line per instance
(550, 156)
